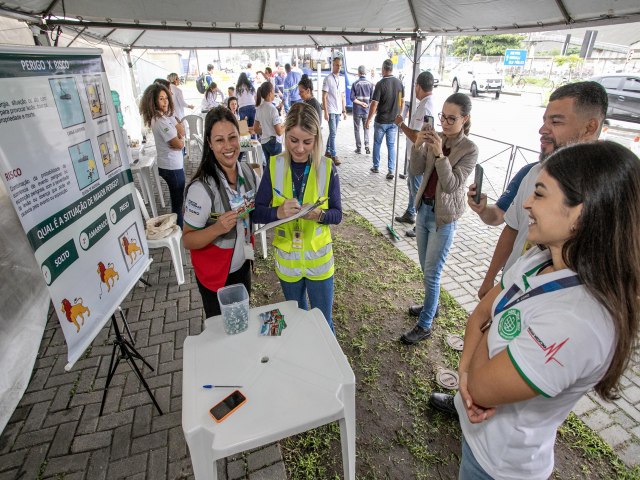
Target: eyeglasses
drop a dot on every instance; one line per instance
(450, 120)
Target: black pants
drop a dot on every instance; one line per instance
(210, 299)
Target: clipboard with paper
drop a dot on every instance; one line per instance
(303, 211)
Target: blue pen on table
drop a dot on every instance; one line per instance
(221, 386)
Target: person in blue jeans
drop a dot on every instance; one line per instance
(303, 247)
(445, 159)
(156, 108)
(386, 102)
(334, 105)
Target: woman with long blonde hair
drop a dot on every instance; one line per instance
(303, 247)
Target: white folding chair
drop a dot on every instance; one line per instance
(195, 123)
(173, 242)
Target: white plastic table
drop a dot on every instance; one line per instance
(293, 383)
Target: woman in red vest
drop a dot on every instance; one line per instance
(219, 235)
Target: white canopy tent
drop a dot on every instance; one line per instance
(144, 24)
(304, 23)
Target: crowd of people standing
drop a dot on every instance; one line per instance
(562, 320)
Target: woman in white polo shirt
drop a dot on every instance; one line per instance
(563, 321)
(268, 123)
(156, 108)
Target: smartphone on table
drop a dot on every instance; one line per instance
(427, 122)
(226, 407)
(478, 182)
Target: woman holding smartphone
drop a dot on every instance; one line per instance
(564, 319)
(444, 160)
(303, 247)
(221, 242)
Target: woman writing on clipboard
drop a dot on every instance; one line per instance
(298, 176)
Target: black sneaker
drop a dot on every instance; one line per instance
(443, 403)
(406, 218)
(390, 176)
(374, 170)
(366, 150)
(358, 150)
(415, 335)
(415, 310)
(411, 233)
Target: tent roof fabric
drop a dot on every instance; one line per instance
(309, 23)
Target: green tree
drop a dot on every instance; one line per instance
(489, 45)
(572, 61)
(255, 54)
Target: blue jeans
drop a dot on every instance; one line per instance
(381, 130)
(413, 182)
(433, 248)
(320, 295)
(357, 120)
(470, 469)
(175, 181)
(272, 147)
(334, 120)
(248, 112)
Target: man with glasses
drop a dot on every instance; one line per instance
(423, 91)
(386, 103)
(575, 114)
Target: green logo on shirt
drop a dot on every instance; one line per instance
(510, 325)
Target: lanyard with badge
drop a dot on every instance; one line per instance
(552, 286)
(297, 230)
(236, 198)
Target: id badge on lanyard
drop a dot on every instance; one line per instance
(297, 237)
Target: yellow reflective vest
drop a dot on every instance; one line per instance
(314, 259)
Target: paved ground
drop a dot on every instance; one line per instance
(56, 432)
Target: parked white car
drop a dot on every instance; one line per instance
(477, 77)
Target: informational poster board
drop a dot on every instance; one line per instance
(63, 162)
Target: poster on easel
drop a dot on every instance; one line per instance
(73, 191)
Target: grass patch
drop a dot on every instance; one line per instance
(397, 434)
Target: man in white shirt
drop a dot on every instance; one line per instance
(575, 114)
(423, 91)
(334, 104)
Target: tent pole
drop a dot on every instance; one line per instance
(133, 78)
(417, 54)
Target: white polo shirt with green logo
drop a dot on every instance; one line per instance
(561, 343)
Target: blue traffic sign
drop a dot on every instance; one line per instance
(515, 58)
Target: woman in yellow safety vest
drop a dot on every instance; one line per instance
(299, 176)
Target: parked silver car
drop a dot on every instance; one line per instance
(477, 77)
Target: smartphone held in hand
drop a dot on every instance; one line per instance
(428, 122)
(478, 182)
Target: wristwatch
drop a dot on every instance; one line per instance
(323, 213)
(439, 156)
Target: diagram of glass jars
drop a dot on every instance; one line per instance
(65, 94)
(95, 95)
(109, 152)
(84, 164)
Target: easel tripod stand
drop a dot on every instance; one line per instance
(124, 350)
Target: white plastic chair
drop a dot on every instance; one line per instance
(173, 242)
(195, 123)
